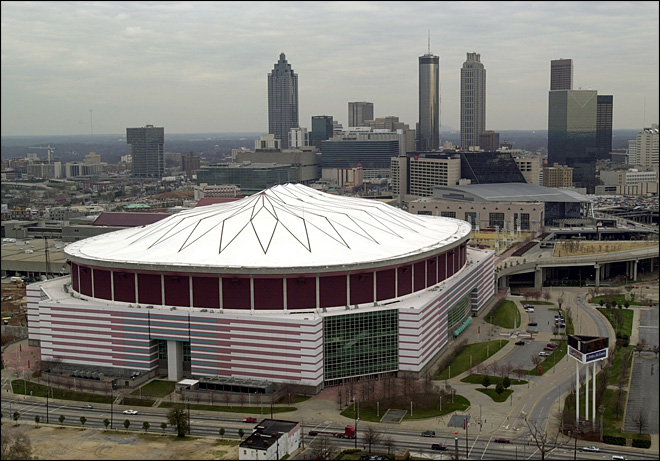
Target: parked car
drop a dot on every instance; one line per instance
(428, 434)
(502, 441)
(250, 420)
(520, 343)
(532, 324)
(592, 448)
(552, 345)
(88, 406)
(549, 349)
(130, 412)
(438, 446)
(544, 354)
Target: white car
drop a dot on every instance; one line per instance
(544, 354)
(592, 448)
(130, 412)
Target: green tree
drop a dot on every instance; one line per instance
(240, 433)
(145, 426)
(106, 423)
(177, 417)
(506, 382)
(61, 419)
(83, 420)
(127, 423)
(36, 420)
(163, 426)
(485, 382)
(499, 388)
(221, 431)
(16, 415)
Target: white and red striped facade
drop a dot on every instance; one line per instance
(257, 313)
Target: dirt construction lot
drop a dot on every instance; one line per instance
(54, 442)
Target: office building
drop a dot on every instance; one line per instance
(557, 176)
(298, 137)
(428, 128)
(229, 290)
(249, 177)
(190, 163)
(392, 123)
(419, 172)
(489, 141)
(561, 74)
(473, 101)
(322, 129)
(572, 116)
(146, 148)
(282, 101)
(604, 109)
(359, 112)
(530, 167)
(646, 147)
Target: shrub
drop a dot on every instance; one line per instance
(612, 440)
(641, 443)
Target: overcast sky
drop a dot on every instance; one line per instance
(199, 67)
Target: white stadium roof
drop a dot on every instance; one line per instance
(286, 226)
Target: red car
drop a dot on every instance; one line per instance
(551, 345)
(502, 441)
(438, 446)
(250, 420)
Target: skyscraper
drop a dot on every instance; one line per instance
(473, 101)
(604, 109)
(321, 129)
(428, 131)
(146, 148)
(561, 74)
(572, 133)
(282, 101)
(359, 112)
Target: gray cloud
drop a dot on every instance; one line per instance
(202, 66)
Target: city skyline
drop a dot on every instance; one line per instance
(97, 68)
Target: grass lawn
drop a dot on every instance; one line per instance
(369, 410)
(620, 354)
(478, 351)
(494, 380)
(619, 299)
(495, 396)
(39, 390)
(505, 315)
(157, 389)
(622, 326)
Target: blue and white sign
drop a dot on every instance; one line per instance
(598, 355)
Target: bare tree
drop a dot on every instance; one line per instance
(226, 398)
(641, 420)
(389, 443)
(15, 445)
(536, 360)
(544, 441)
(370, 436)
(323, 448)
(242, 399)
(656, 350)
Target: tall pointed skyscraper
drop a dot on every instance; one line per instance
(473, 101)
(282, 101)
(428, 128)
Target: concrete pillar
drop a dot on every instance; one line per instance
(577, 393)
(635, 263)
(538, 278)
(586, 393)
(174, 360)
(597, 271)
(593, 396)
